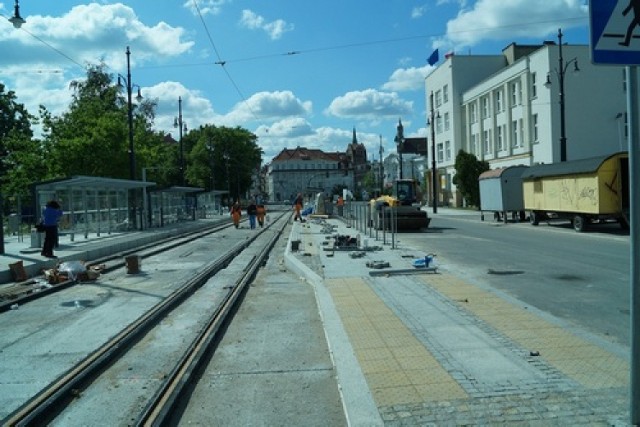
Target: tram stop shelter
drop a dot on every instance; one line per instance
(210, 203)
(171, 205)
(92, 204)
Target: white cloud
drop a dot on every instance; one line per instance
(513, 19)
(407, 79)
(90, 34)
(207, 7)
(418, 11)
(275, 29)
(369, 104)
(269, 106)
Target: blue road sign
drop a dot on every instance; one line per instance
(615, 32)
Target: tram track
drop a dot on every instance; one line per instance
(51, 401)
(21, 293)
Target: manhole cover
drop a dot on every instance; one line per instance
(78, 303)
(504, 272)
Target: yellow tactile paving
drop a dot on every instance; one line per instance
(586, 363)
(397, 367)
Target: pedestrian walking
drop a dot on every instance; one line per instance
(236, 213)
(51, 215)
(261, 211)
(297, 206)
(252, 211)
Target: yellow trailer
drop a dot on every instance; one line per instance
(582, 191)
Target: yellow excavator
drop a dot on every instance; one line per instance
(401, 210)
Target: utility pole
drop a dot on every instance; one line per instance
(381, 168)
(434, 172)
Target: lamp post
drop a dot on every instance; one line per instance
(130, 86)
(399, 140)
(177, 123)
(16, 19)
(226, 158)
(132, 155)
(210, 149)
(560, 72)
(434, 172)
(381, 171)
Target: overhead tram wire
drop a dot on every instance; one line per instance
(223, 63)
(377, 42)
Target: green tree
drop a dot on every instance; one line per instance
(222, 158)
(468, 169)
(92, 137)
(22, 157)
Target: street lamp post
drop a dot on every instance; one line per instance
(16, 19)
(132, 156)
(561, 71)
(210, 148)
(434, 172)
(226, 158)
(381, 170)
(130, 86)
(399, 140)
(177, 122)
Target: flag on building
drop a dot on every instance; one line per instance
(433, 58)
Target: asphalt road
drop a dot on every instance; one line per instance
(581, 278)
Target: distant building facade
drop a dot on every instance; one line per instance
(310, 171)
(505, 109)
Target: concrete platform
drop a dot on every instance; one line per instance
(74, 247)
(432, 349)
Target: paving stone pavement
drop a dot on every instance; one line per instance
(401, 327)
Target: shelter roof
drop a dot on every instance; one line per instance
(178, 189)
(93, 182)
(582, 166)
(506, 171)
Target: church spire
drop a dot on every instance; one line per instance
(355, 138)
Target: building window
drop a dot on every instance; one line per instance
(440, 153)
(500, 137)
(499, 101)
(485, 107)
(472, 144)
(514, 133)
(446, 121)
(438, 98)
(486, 145)
(515, 90)
(447, 150)
(439, 124)
(473, 112)
(534, 85)
(534, 124)
(521, 133)
(445, 94)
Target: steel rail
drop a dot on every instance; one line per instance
(148, 249)
(161, 407)
(44, 406)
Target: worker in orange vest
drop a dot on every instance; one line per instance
(260, 214)
(340, 204)
(298, 207)
(236, 212)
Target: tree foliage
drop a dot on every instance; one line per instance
(223, 158)
(21, 157)
(468, 169)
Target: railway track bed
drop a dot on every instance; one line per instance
(45, 341)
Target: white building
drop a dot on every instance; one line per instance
(499, 108)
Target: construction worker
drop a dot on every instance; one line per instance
(340, 204)
(260, 213)
(297, 205)
(236, 213)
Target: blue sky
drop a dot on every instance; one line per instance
(294, 72)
